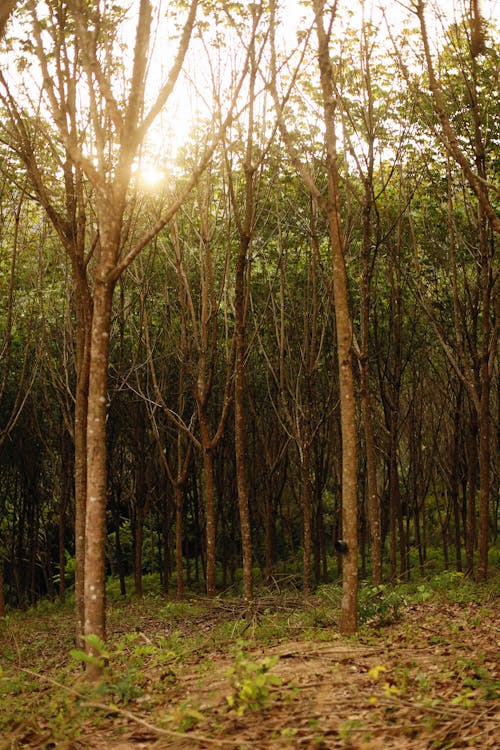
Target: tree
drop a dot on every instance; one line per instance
(472, 155)
(6, 8)
(119, 129)
(331, 205)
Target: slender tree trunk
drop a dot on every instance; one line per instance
(64, 501)
(140, 500)
(470, 537)
(371, 468)
(119, 556)
(392, 517)
(138, 545)
(367, 260)
(208, 491)
(305, 491)
(454, 482)
(95, 519)
(245, 228)
(83, 313)
(179, 495)
(418, 538)
(268, 536)
(343, 325)
(239, 417)
(484, 418)
(484, 476)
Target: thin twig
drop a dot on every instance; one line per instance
(112, 709)
(158, 730)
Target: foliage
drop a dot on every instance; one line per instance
(251, 681)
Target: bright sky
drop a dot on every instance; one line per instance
(174, 124)
(177, 120)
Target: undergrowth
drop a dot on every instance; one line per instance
(42, 679)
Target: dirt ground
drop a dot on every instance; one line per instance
(428, 681)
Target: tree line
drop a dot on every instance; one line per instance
(280, 359)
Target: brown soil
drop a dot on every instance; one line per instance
(429, 681)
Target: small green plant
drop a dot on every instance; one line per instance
(184, 716)
(423, 593)
(180, 610)
(98, 659)
(380, 604)
(348, 728)
(251, 682)
(476, 682)
(121, 675)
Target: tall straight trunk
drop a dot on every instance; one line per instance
(343, 325)
(268, 536)
(371, 462)
(81, 409)
(367, 261)
(140, 501)
(138, 545)
(245, 227)
(208, 493)
(392, 520)
(179, 497)
(206, 343)
(348, 428)
(239, 416)
(166, 557)
(398, 536)
(119, 557)
(470, 524)
(83, 315)
(95, 518)
(418, 538)
(484, 417)
(454, 482)
(391, 405)
(64, 501)
(484, 475)
(305, 491)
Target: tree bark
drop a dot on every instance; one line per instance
(343, 325)
(209, 496)
(95, 517)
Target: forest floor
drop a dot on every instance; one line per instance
(423, 672)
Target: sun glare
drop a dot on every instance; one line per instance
(151, 176)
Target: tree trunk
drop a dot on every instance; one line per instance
(138, 532)
(454, 482)
(179, 493)
(470, 537)
(208, 492)
(140, 500)
(371, 469)
(64, 501)
(343, 325)
(95, 518)
(119, 556)
(239, 417)
(83, 315)
(484, 397)
(305, 492)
